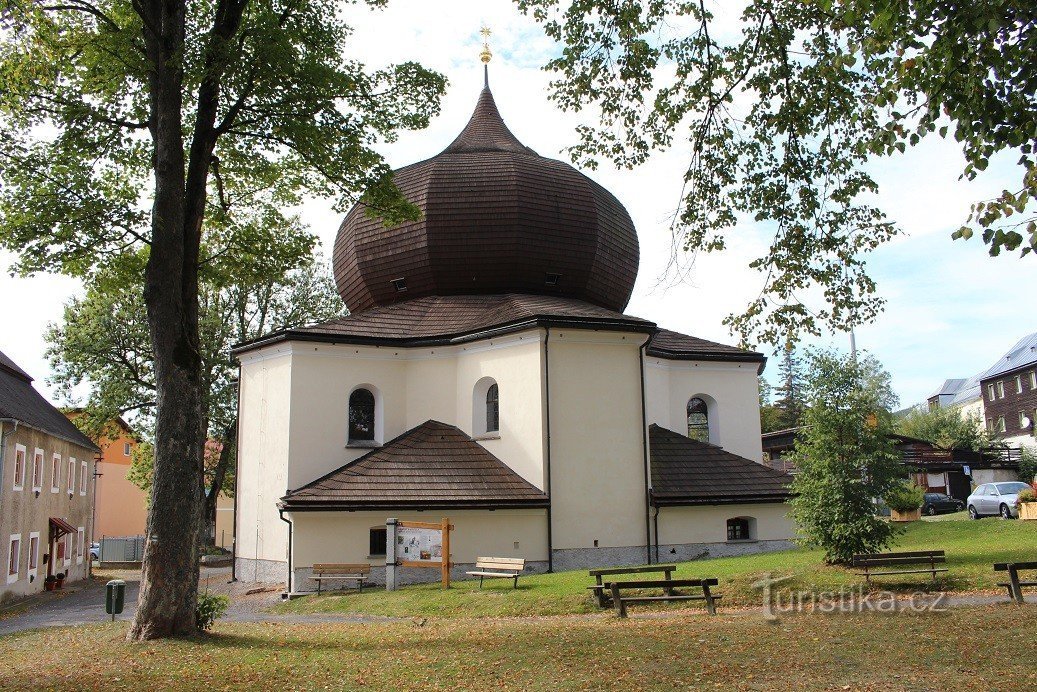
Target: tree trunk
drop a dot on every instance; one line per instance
(169, 579)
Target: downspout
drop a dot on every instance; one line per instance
(547, 456)
(657, 534)
(237, 470)
(644, 449)
(291, 528)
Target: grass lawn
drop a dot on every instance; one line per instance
(972, 547)
(967, 648)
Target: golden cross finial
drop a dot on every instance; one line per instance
(485, 55)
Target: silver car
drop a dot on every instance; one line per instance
(993, 499)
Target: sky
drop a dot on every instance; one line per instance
(951, 309)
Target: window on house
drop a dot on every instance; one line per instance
(1024, 420)
(698, 420)
(55, 473)
(492, 408)
(1000, 423)
(738, 529)
(990, 424)
(71, 475)
(82, 477)
(1000, 389)
(66, 554)
(376, 535)
(61, 548)
(19, 467)
(990, 392)
(37, 470)
(1018, 384)
(80, 544)
(34, 553)
(126, 449)
(14, 556)
(1033, 379)
(361, 416)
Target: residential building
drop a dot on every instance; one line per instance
(46, 488)
(487, 373)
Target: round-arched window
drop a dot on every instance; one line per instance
(492, 409)
(361, 416)
(698, 420)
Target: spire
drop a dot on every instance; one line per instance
(485, 55)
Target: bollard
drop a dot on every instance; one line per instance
(115, 596)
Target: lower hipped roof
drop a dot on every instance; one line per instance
(440, 320)
(432, 465)
(688, 472)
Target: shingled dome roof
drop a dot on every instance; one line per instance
(497, 218)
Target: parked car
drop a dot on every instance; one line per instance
(940, 503)
(95, 551)
(993, 499)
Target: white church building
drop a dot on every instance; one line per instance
(487, 373)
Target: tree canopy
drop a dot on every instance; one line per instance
(779, 117)
(946, 428)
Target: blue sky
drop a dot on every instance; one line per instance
(951, 311)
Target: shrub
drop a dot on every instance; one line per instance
(905, 498)
(1028, 495)
(210, 608)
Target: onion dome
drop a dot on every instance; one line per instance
(496, 218)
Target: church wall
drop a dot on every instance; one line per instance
(515, 364)
(431, 383)
(344, 537)
(698, 532)
(262, 478)
(730, 389)
(597, 459)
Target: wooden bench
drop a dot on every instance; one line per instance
(1014, 585)
(669, 594)
(337, 571)
(601, 591)
(891, 560)
(498, 568)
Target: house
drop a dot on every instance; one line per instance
(46, 488)
(120, 506)
(487, 373)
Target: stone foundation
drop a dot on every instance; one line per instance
(263, 571)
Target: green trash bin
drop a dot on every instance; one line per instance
(115, 597)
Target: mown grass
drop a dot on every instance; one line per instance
(968, 648)
(972, 548)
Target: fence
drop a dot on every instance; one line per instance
(122, 549)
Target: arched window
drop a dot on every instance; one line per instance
(698, 420)
(492, 409)
(361, 416)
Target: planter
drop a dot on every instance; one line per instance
(50, 585)
(913, 515)
(1028, 511)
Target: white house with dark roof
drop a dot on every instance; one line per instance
(488, 374)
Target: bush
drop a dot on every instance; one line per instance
(210, 608)
(1028, 495)
(905, 498)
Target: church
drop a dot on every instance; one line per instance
(487, 373)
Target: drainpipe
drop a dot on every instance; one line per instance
(291, 527)
(237, 472)
(648, 473)
(547, 456)
(657, 534)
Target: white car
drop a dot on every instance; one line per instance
(993, 499)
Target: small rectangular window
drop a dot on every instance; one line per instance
(1018, 384)
(34, 553)
(19, 466)
(1033, 380)
(37, 469)
(71, 475)
(1000, 389)
(80, 544)
(14, 557)
(126, 449)
(990, 392)
(66, 553)
(737, 529)
(82, 478)
(1000, 423)
(55, 473)
(990, 424)
(376, 536)
(1023, 420)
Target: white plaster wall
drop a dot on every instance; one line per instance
(263, 427)
(343, 536)
(735, 418)
(597, 461)
(708, 523)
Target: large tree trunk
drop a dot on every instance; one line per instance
(169, 580)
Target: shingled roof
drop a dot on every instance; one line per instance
(689, 472)
(20, 401)
(434, 465)
(677, 346)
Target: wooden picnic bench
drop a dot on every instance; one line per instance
(869, 561)
(601, 591)
(498, 568)
(330, 571)
(1014, 585)
(620, 601)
